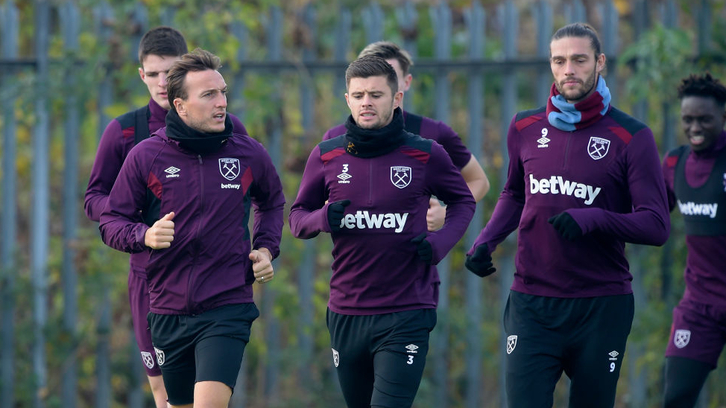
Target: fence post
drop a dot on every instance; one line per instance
(239, 30)
(340, 51)
(543, 16)
(575, 12)
(509, 19)
(70, 23)
(373, 22)
(104, 18)
(137, 373)
(441, 18)
(703, 17)
(475, 20)
(9, 27)
(40, 208)
(610, 43)
(407, 19)
(274, 127)
(306, 272)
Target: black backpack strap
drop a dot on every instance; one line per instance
(141, 126)
(412, 123)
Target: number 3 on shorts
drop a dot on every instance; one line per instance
(410, 360)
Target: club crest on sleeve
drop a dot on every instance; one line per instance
(148, 359)
(681, 338)
(511, 343)
(229, 168)
(401, 176)
(160, 357)
(598, 147)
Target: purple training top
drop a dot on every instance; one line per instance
(115, 144)
(705, 274)
(606, 176)
(208, 263)
(376, 268)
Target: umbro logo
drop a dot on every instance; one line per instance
(411, 348)
(613, 355)
(543, 141)
(171, 172)
(344, 176)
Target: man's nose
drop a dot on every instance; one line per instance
(162, 79)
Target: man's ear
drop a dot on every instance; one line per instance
(346, 100)
(407, 82)
(600, 63)
(180, 107)
(142, 74)
(397, 99)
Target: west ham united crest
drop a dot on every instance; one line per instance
(401, 176)
(160, 357)
(336, 357)
(148, 359)
(511, 343)
(598, 147)
(681, 338)
(229, 168)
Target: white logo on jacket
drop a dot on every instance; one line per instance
(344, 176)
(401, 176)
(543, 140)
(366, 220)
(598, 147)
(148, 359)
(171, 172)
(558, 185)
(681, 338)
(229, 168)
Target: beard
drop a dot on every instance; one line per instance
(384, 118)
(576, 95)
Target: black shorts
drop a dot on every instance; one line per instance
(584, 337)
(204, 347)
(380, 358)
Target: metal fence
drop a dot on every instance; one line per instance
(492, 57)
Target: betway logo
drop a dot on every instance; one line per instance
(557, 185)
(234, 186)
(364, 219)
(691, 208)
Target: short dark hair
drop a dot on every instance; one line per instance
(197, 60)
(703, 85)
(370, 66)
(162, 41)
(388, 50)
(580, 30)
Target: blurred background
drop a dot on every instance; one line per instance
(68, 67)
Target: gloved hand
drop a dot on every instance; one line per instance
(566, 226)
(335, 214)
(425, 252)
(481, 262)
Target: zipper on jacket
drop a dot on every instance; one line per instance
(567, 151)
(370, 182)
(195, 242)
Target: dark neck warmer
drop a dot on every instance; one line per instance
(569, 117)
(375, 142)
(193, 140)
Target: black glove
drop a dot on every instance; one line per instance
(566, 226)
(481, 262)
(335, 214)
(425, 252)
